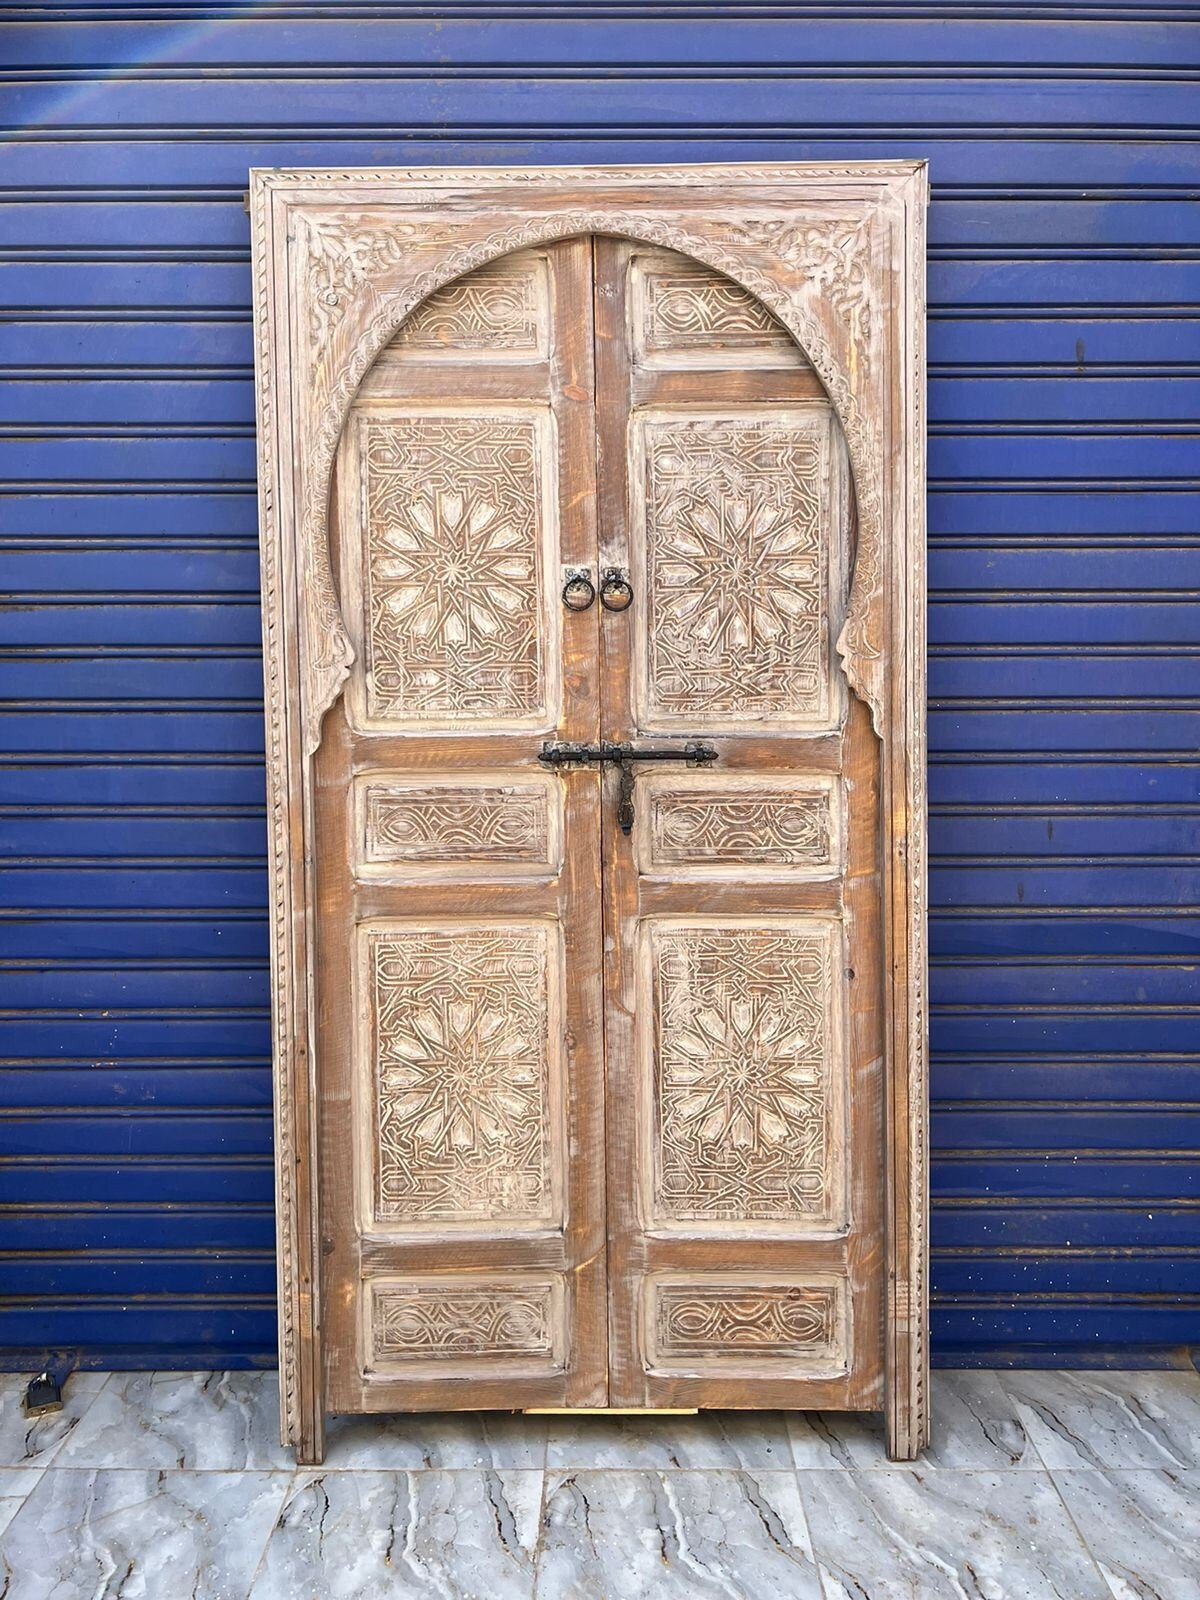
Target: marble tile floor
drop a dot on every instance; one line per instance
(173, 1486)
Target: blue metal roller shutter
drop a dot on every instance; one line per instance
(1065, 640)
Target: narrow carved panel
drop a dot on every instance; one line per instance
(685, 315)
(735, 520)
(458, 631)
(464, 1023)
(718, 826)
(744, 1072)
(741, 1319)
(497, 312)
(449, 1319)
(453, 827)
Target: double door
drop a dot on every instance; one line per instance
(598, 990)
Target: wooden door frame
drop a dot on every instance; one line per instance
(837, 253)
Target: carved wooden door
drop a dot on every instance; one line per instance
(742, 932)
(459, 946)
(592, 556)
(493, 1236)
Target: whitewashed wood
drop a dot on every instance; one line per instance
(836, 254)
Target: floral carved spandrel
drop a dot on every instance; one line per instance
(744, 1099)
(732, 1318)
(454, 570)
(733, 525)
(446, 825)
(462, 1024)
(446, 1319)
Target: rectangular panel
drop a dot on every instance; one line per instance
(743, 1067)
(493, 824)
(458, 546)
(747, 1322)
(732, 825)
(737, 525)
(472, 1323)
(687, 316)
(500, 312)
(463, 1051)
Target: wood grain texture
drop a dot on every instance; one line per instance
(833, 255)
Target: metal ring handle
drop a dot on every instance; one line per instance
(616, 592)
(579, 592)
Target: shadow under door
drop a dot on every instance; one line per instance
(598, 948)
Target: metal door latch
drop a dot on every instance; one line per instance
(565, 754)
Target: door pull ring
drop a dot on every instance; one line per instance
(616, 591)
(579, 592)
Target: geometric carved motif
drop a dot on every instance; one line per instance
(454, 569)
(727, 1318)
(703, 318)
(464, 1120)
(447, 823)
(736, 532)
(769, 823)
(446, 1319)
(744, 1096)
(494, 311)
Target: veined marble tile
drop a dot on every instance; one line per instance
(26, 1442)
(675, 1536)
(451, 1439)
(360, 1535)
(83, 1534)
(1110, 1419)
(198, 1421)
(974, 1424)
(728, 1439)
(946, 1533)
(16, 1483)
(1142, 1527)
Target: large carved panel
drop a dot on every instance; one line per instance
(685, 315)
(492, 824)
(743, 1073)
(470, 1322)
(456, 547)
(730, 825)
(736, 531)
(745, 1321)
(463, 1024)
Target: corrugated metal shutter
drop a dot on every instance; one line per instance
(1065, 636)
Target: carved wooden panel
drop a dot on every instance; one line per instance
(454, 825)
(464, 1024)
(743, 1320)
(736, 519)
(721, 825)
(499, 312)
(456, 555)
(472, 1321)
(684, 315)
(742, 1062)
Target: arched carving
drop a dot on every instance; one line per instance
(387, 275)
